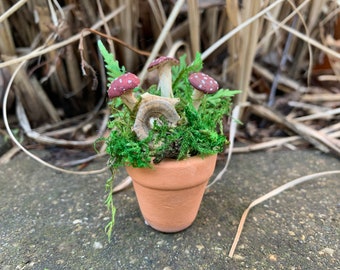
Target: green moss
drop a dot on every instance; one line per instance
(197, 133)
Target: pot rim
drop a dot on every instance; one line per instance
(174, 174)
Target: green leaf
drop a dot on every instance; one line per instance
(113, 69)
(181, 86)
(221, 94)
(197, 65)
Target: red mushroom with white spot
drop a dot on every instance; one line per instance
(164, 64)
(203, 84)
(123, 87)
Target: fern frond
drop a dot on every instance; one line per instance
(113, 69)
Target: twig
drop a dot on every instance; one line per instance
(331, 128)
(82, 160)
(283, 61)
(237, 29)
(41, 50)
(126, 182)
(321, 97)
(264, 145)
(277, 142)
(12, 9)
(325, 114)
(283, 80)
(307, 39)
(10, 133)
(233, 129)
(106, 27)
(67, 121)
(121, 42)
(5, 158)
(31, 89)
(320, 141)
(309, 107)
(160, 40)
(270, 195)
(174, 48)
(23, 120)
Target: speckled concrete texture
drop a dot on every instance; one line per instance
(51, 220)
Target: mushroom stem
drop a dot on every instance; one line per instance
(165, 81)
(196, 98)
(163, 64)
(129, 99)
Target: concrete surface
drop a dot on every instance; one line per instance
(51, 220)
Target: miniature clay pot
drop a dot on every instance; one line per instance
(170, 193)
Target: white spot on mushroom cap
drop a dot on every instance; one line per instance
(123, 83)
(203, 82)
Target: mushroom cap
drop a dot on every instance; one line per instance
(122, 84)
(162, 60)
(204, 83)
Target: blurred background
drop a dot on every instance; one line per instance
(283, 55)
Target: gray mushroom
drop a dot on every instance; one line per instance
(151, 108)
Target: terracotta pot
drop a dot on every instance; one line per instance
(170, 193)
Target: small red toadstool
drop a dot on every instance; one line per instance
(123, 87)
(203, 84)
(164, 64)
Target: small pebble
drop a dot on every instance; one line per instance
(238, 257)
(77, 221)
(328, 251)
(273, 257)
(199, 247)
(97, 245)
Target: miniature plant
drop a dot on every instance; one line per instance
(154, 127)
